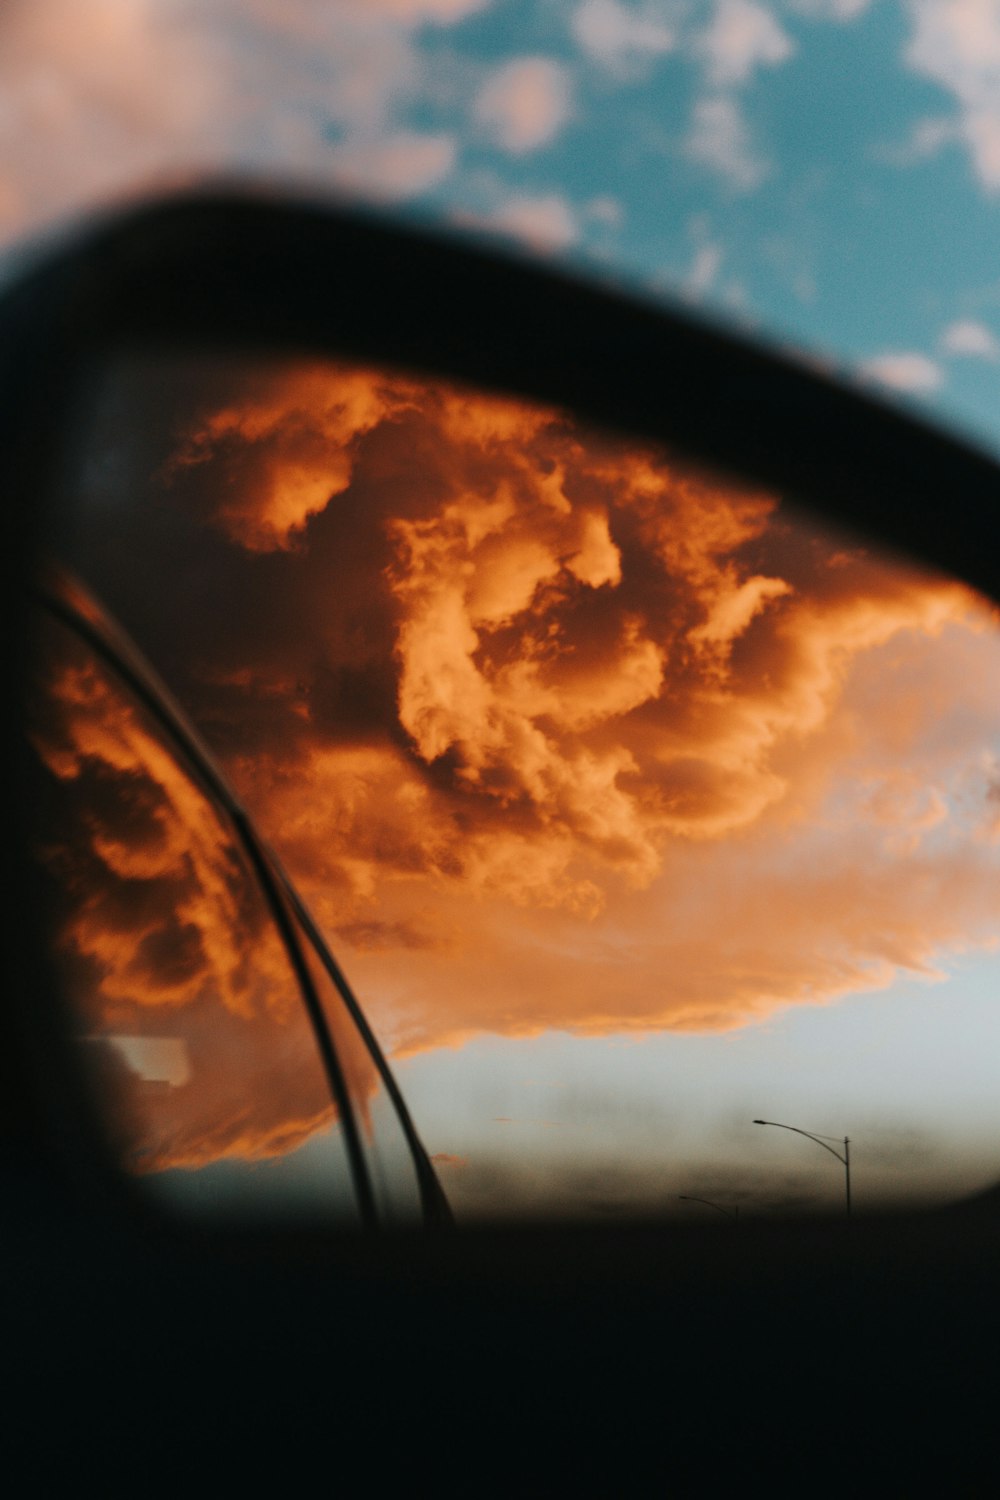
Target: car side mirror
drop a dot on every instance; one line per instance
(516, 444)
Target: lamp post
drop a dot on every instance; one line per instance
(731, 1213)
(821, 1140)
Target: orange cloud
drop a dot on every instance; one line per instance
(286, 450)
(183, 992)
(555, 729)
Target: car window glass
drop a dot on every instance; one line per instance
(198, 1047)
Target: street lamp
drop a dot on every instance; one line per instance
(821, 1140)
(731, 1213)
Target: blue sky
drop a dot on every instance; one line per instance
(826, 171)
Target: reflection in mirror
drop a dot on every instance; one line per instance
(190, 1020)
(635, 803)
(391, 1168)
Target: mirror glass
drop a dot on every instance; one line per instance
(636, 803)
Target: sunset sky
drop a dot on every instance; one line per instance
(634, 803)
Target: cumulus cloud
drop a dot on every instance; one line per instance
(741, 37)
(972, 339)
(122, 95)
(524, 103)
(957, 44)
(554, 729)
(831, 10)
(704, 269)
(622, 37)
(925, 139)
(205, 1051)
(396, 166)
(604, 209)
(904, 370)
(89, 98)
(421, 11)
(544, 221)
(719, 139)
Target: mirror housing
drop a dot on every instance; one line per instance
(261, 275)
(254, 274)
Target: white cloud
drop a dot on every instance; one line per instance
(957, 44)
(704, 269)
(967, 337)
(742, 36)
(925, 139)
(524, 103)
(903, 370)
(719, 139)
(623, 36)
(545, 222)
(605, 210)
(114, 97)
(444, 12)
(394, 166)
(831, 10)
(89, 99)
